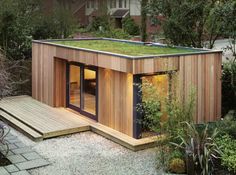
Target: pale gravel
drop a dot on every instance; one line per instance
(90, 154)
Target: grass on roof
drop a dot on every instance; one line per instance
(123, 48)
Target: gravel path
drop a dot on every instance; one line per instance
(90, 154)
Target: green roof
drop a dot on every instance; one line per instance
(124, 48)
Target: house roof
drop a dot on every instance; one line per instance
(120, 13)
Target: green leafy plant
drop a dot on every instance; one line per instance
(228, 151)
(150, 108)
(200, 149)
(164, 115)
(129, 26)
(100, 22)
(229, 87)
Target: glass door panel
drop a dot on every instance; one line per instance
(75, 87)
(89, 91)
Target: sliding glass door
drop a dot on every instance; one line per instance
(89, 95)
(82, 89)
(75, 86)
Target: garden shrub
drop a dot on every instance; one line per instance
(177, 165)
(226, 125)
(228, 87)
(228, 151)
(200, 149)
(100, 21)
(130, 26)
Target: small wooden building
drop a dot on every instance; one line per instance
(101, 84)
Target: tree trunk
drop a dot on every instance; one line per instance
(143, 28)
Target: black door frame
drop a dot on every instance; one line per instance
(81, 108)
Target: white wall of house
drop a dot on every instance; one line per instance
(135, 8)
(113, 5)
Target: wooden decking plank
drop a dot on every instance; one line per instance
(20, 126)
(51, 122)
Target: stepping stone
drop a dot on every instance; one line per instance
(24, 172)
(22, 150)
(3, 171)
(11, 168)
(16, 158)
(31, 156)
(20, 144)
(32, 164)
(12, 146)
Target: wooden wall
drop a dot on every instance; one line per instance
(116, 100)
(59, 82)
(43, 73)
(150, 65)
(203, 73)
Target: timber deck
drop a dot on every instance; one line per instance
(39, 121)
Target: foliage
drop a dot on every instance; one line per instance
(4, 131)
(122, 47)
(168, 118)
(228, 124)
(228, 151)
(179, 111)
(143, 28)
(58, 24)
(150, 108)
(21, 21)
(188, 23)
(10, 76)
(164, 115)
(177, 165)
(228, 13)
(15, 27)
(130, 27)
(100, 22)
(176, 153)
(229, 86)
(200, 148)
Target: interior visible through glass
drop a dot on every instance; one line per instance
(90, 91)
(75, 85)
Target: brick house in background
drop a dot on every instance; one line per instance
(86, 10)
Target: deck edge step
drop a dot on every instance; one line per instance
(21, 121)
(18, 125)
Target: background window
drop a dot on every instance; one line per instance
(120, 3)
(92, 3)
(113, 4)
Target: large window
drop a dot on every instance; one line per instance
(112, 3)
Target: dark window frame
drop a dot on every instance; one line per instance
(81, 108)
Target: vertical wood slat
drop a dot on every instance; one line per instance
(203, 72)
(115, 100)
(59, 83)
